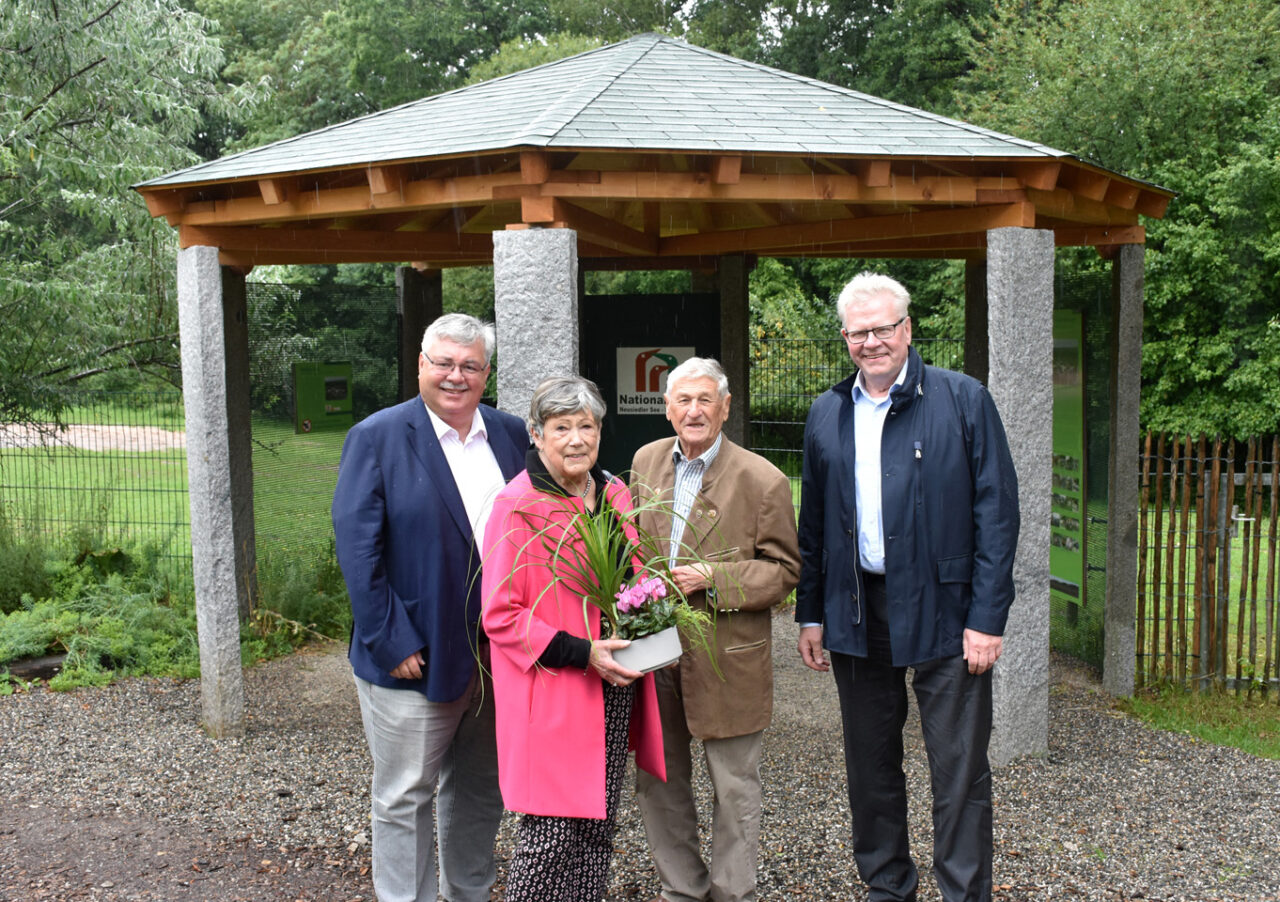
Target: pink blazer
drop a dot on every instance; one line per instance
(550, 721)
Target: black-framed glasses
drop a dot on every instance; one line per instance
(884, 333)
(469, 368)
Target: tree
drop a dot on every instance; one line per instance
(1185, 93)
(97, 96)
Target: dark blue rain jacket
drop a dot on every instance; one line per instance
(949, 499)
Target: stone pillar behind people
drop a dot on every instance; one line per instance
(213, 325)
(1119, 643)
(535, 287)
(1020, 378)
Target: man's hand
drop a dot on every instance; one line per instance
(810, 648)
(410, 668)
(981, 650)
(691, 578)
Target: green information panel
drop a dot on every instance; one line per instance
(1067, 516)
(322, 396)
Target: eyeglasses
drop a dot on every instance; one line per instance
(469, 368)
(859, 336)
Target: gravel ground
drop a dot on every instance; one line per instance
(115, 794)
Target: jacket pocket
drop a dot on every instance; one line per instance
(746, 647)
(958, 569)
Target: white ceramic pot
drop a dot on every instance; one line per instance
(651, 652)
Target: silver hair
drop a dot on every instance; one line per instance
(562, 395)
(864, 286)
(700, 368)
(460, 328)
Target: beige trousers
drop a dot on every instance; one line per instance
(671, 817)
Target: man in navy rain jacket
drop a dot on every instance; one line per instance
(908, 526)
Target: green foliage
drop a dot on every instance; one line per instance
(525, 53)
(1185, 93)
(96, 97)
(1249, 722)
(307, 592)
(121, 610)
(22, 563)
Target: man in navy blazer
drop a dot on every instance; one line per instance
(415, 487)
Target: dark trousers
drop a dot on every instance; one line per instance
(955, 713)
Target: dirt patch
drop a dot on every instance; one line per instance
(93, 438)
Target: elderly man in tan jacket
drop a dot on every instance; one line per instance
(731, 523)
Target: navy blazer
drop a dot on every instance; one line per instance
(406, 549)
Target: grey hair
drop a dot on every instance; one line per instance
(700, 368)
(562, 395)
(864, 286)
(460, 328)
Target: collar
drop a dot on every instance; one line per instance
(860, 386)
(707, 457)
(442, 428)
(542, 480)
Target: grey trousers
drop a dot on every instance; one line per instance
(671, 818)
(416, 744)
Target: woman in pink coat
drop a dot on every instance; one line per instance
(566, 711)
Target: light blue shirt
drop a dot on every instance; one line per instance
(688, 483)
(868, 426)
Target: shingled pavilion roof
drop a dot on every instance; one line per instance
(658, 153)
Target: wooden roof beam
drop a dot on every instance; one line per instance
(1153, 204)
(900, 225)
(754, 187)
(594, 229)
(1062, 204)
(400, 245)
(1122, 195)
(276, 191)
(726, 169)
(1090, 184)
(169, 204)
(535, 167)
(1043, 176)
(874, 173)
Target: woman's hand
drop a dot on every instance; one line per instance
(610, 670)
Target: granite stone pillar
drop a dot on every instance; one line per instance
(1020, 378)
(1119, 643)
(535, 286)
(419, 303)
(735, 354)
(213, 325)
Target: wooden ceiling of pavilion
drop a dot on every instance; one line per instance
(655, 210)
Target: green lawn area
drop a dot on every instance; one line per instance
(143, 495)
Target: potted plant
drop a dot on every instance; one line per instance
(622, 572)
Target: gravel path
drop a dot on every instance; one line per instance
(115, 794)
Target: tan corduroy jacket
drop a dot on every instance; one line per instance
(743, 523)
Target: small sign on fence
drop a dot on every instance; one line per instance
(322, 393)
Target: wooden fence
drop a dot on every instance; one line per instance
(1207, 604)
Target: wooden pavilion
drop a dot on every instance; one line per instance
(653, 153)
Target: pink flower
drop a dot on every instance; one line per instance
(632, 598)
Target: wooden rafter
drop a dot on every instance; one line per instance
(640, 205)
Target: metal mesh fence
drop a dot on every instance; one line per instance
(788, 374)
(117, 473)
(294, 474)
